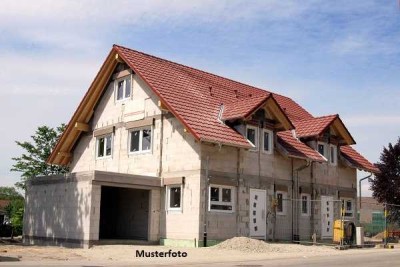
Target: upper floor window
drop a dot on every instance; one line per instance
(104, 146)
(268, 144)
(221, 198)
(123, 88)
(252, 135)
(140, 140)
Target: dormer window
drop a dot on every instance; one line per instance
(332, 154)
(252, 135)
(123, 88)
(321, 149)
(268, 144)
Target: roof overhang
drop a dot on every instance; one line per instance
(61, 154)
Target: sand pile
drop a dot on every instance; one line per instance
(246, 244)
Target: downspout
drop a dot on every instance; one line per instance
(359, 187)
(237, 191)
(296, 199)
(312, 206)
(206, 181)
(161, 145)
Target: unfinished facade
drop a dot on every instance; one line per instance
(165, 153)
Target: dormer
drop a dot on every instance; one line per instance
(325, 134)
(257, 118)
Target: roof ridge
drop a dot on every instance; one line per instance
(196, 69)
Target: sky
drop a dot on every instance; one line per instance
(332, 57)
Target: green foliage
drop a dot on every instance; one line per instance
(32, 163)
(386, 184)
(9, 192)
(15, 211)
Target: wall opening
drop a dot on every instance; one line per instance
(124, 213)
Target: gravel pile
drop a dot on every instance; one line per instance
(246, 244)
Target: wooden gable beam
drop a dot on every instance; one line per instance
(82, 127)
(273, 107)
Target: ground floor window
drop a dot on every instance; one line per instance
(281, 202)
(305, 204)
(221, 198)
(348, 207)
(174, 197)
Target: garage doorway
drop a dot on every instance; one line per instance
(124, 213)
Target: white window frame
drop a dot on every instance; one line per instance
(308, 204)
(168, 197)
(256, 136)
(124, 79)
(335, 156)
(220, 202)
(284, 202)
(352, 207)
(140, 129)
(271, 141)
(105, 146)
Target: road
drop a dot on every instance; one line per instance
(381, 258)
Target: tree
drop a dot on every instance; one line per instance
(9, 193)
(386, 185)
(15, 209)
(32, 163)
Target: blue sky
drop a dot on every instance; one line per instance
(330, 56)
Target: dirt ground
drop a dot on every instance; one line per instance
(236, 250)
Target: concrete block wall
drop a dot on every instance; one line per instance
(58, 213)
(108, 112)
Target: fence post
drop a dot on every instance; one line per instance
(342, 223)
(385, 232)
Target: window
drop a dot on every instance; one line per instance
(333, 154)
(321, 149)
(268, 137)
(348, 208)
(104, 146)
(281, 198)
(140, 140)
(174, 197)
(123, 88)
(221, 198)
(252, 136)
(305, 204)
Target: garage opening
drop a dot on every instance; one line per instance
(124, 213)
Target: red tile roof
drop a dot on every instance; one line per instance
(195, 97)
(357, 160)
(241, 108)
(313, 126)
(295, 148)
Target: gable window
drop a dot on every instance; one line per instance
(305, 204)
(174, 197)
(221, 198)
(140, 140)
(252, 136)
(268, 141)
(104, 146)
(281, 205)
(348, 207)
(333, 154)
(123, 88)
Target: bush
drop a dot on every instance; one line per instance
(15, 211)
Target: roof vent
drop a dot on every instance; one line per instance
(211, 94)
(236, 93)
